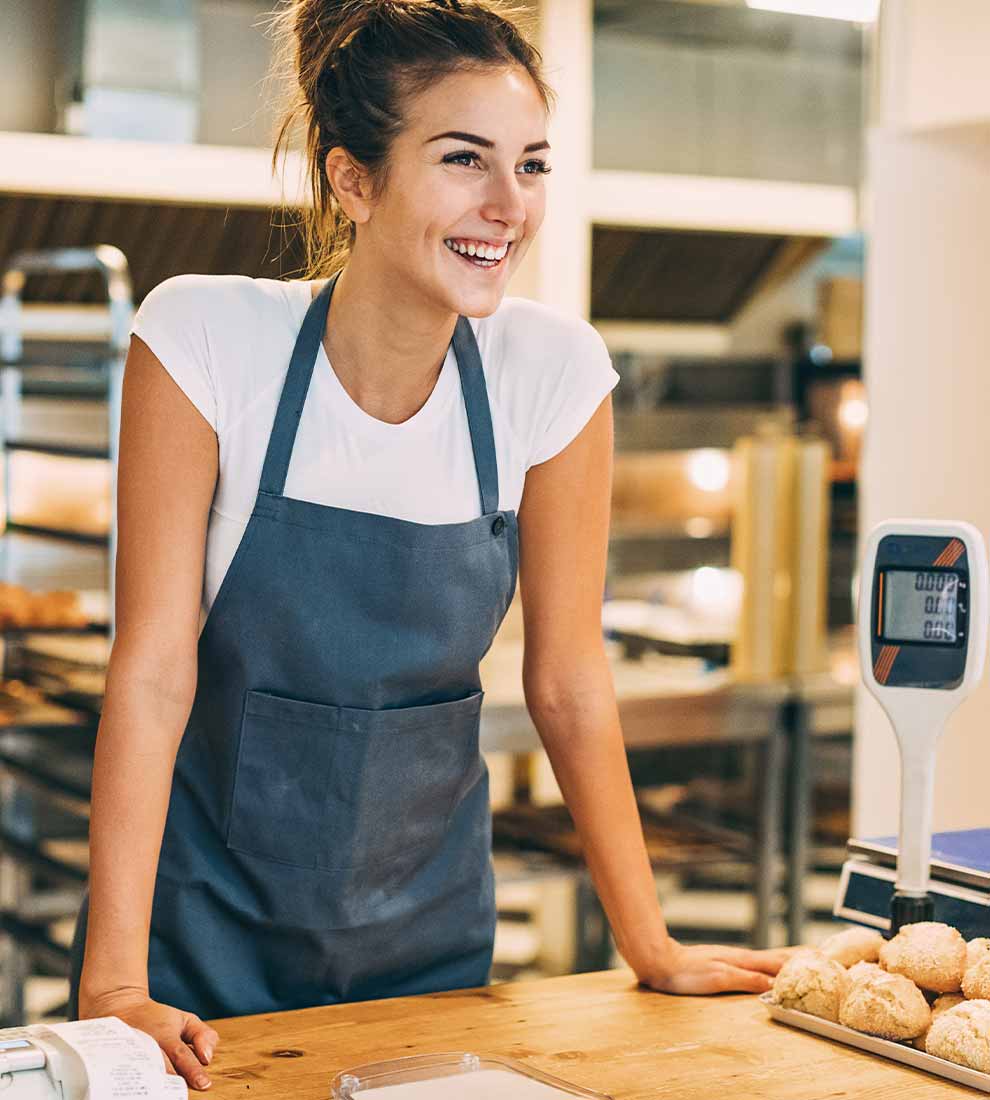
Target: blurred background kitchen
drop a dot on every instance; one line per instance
(719, 170)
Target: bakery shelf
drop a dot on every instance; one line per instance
(62, 450)
(33, 938)
(58, 398)
(670, 842)
(29, 855)
(23, 631)
(82, 537)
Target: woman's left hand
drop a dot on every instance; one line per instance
(710, 968)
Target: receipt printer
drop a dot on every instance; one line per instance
(37, 1064)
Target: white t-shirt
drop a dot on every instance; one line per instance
(227, 341)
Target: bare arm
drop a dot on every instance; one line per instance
(168, 464)
(563, 522)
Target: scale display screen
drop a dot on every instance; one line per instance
(920, 605)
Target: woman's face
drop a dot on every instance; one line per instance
(466, 175)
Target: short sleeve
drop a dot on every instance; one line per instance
(172, 321)
(585, 381)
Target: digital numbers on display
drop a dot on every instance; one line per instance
(921, 606)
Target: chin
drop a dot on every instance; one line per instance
(475, 302)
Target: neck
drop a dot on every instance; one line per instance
(385, 348)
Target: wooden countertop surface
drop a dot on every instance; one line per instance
(596, 1030)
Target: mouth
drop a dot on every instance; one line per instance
(479, 254)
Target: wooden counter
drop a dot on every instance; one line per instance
(596, 1030)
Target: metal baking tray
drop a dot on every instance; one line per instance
(458, 1076)
(886, 1048)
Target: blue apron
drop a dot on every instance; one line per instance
(328, 836)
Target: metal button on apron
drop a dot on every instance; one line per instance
(329, 835)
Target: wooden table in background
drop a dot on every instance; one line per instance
(596, 1030)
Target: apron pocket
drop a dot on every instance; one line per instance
(397, 777)
(342, 788)
(280, 785)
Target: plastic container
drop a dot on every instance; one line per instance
(453, 1076)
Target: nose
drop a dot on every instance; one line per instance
(504, 201)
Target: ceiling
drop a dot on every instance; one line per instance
(696, 277)
(159, 239)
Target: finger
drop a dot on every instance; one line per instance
(740, 980)
(187, 1065)
(769, 962)
(169, 1068)
(201, 1037)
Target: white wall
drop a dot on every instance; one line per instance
(237, 105)
(936, 72)
(29, 45)
(927, 339)
(742, 112)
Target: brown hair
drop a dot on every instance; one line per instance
(351, 63)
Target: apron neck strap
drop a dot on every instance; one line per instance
(294, 390)
(300, 373)
(479, 414)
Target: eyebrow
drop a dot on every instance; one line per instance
(473, 139)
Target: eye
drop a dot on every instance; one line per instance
(536, 167)
(466, 158)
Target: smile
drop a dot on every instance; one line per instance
(478, 253)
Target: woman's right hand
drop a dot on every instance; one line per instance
(187, 1043)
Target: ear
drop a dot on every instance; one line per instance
(350, 184)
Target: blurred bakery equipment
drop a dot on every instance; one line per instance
(131, 70)
(58, 441)
(840, 316)
(779, 549)
(923, 627)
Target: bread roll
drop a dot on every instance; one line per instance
(942, 1004)
(883, 1004)
(810, 982)
(962, 1035)
(853, 945)
(932, 955)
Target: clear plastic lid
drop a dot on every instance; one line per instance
(453, 1076)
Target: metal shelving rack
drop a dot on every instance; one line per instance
(45, 764)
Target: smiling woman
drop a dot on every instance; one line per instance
(290, 806)
(361, 64)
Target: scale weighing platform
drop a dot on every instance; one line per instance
(959, 881)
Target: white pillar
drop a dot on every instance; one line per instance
(927, 346)
(557, 270)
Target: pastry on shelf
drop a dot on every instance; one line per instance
(21, 608)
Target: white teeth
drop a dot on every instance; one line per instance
(481, 251)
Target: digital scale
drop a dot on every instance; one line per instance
(922, 631)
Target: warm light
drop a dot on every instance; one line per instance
(853, 413)
(699, 527)
(714, 591)
(709, 470)
(856, 11)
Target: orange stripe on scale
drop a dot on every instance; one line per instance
(951, 554)
(885, 662)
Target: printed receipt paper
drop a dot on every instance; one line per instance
(121, 1062)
